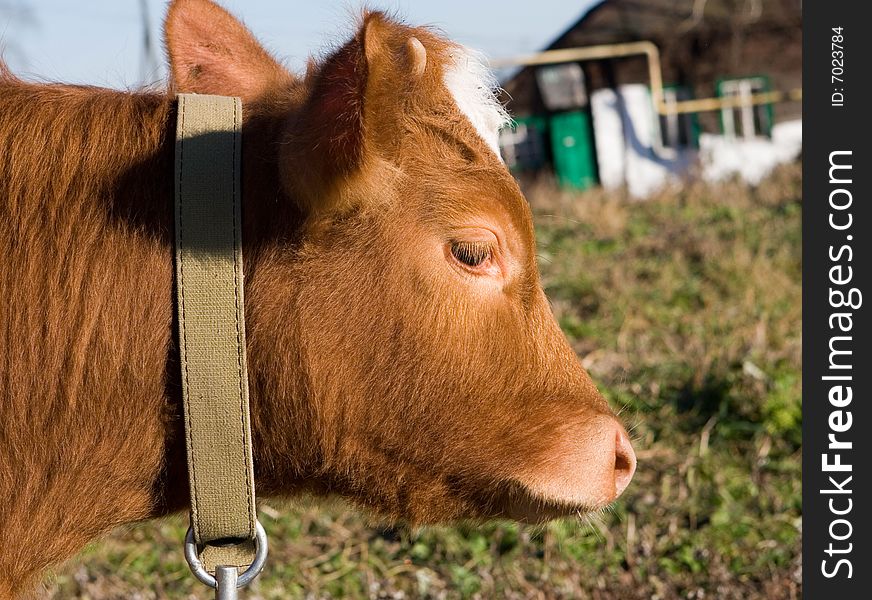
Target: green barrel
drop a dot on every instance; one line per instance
(572, 147)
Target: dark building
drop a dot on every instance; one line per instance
(708, 48)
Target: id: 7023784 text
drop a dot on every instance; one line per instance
(837, 70)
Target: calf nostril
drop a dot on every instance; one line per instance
(625, 462)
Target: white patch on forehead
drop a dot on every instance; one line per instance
(474, 88)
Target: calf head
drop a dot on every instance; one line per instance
(402, 351)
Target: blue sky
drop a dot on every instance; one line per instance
(100, 41)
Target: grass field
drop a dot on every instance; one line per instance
(686, 310)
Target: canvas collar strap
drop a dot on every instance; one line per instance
(209, 299)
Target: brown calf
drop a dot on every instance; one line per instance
(402, 353)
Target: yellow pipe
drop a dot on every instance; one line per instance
(564, 55)
(645, 48)
(652, 53)
(709, 104)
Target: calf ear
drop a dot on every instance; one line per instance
(211, 52)
(354, 103)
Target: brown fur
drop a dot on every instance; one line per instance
(378, 371)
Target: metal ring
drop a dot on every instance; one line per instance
(253, 570)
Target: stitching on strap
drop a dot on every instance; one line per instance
(189, 423)
(237, 267)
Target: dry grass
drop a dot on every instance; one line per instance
(686, 309)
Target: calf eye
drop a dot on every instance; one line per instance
(472, 254)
